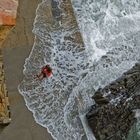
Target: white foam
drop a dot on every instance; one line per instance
(111, 48)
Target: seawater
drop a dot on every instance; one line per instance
(110, 31)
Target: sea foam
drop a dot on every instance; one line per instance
(111, 45)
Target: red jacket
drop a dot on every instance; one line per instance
(45, 71)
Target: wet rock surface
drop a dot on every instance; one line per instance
(5, 116)
(8, 10)
(113, 115)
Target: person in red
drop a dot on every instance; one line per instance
(45, 72)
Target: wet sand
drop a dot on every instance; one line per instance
(23, 126)
(16, 48)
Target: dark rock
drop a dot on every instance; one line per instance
(100, 99)
(113, 115)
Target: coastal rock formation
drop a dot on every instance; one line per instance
(4, 31)
(5, 116)
(8, 10)
(113, 115)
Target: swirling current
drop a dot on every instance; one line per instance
(88, 43)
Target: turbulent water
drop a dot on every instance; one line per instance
(111, 37)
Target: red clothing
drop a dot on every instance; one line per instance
(45, 71)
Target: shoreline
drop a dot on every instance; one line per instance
(16, 48)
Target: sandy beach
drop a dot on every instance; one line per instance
(16, 48)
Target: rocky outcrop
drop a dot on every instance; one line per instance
(5, 115)
(114, 113)
(6, 19)
(8, 9)
(4, 31)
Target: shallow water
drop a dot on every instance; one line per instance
(110, 31)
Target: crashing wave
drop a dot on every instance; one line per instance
(110, 32)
